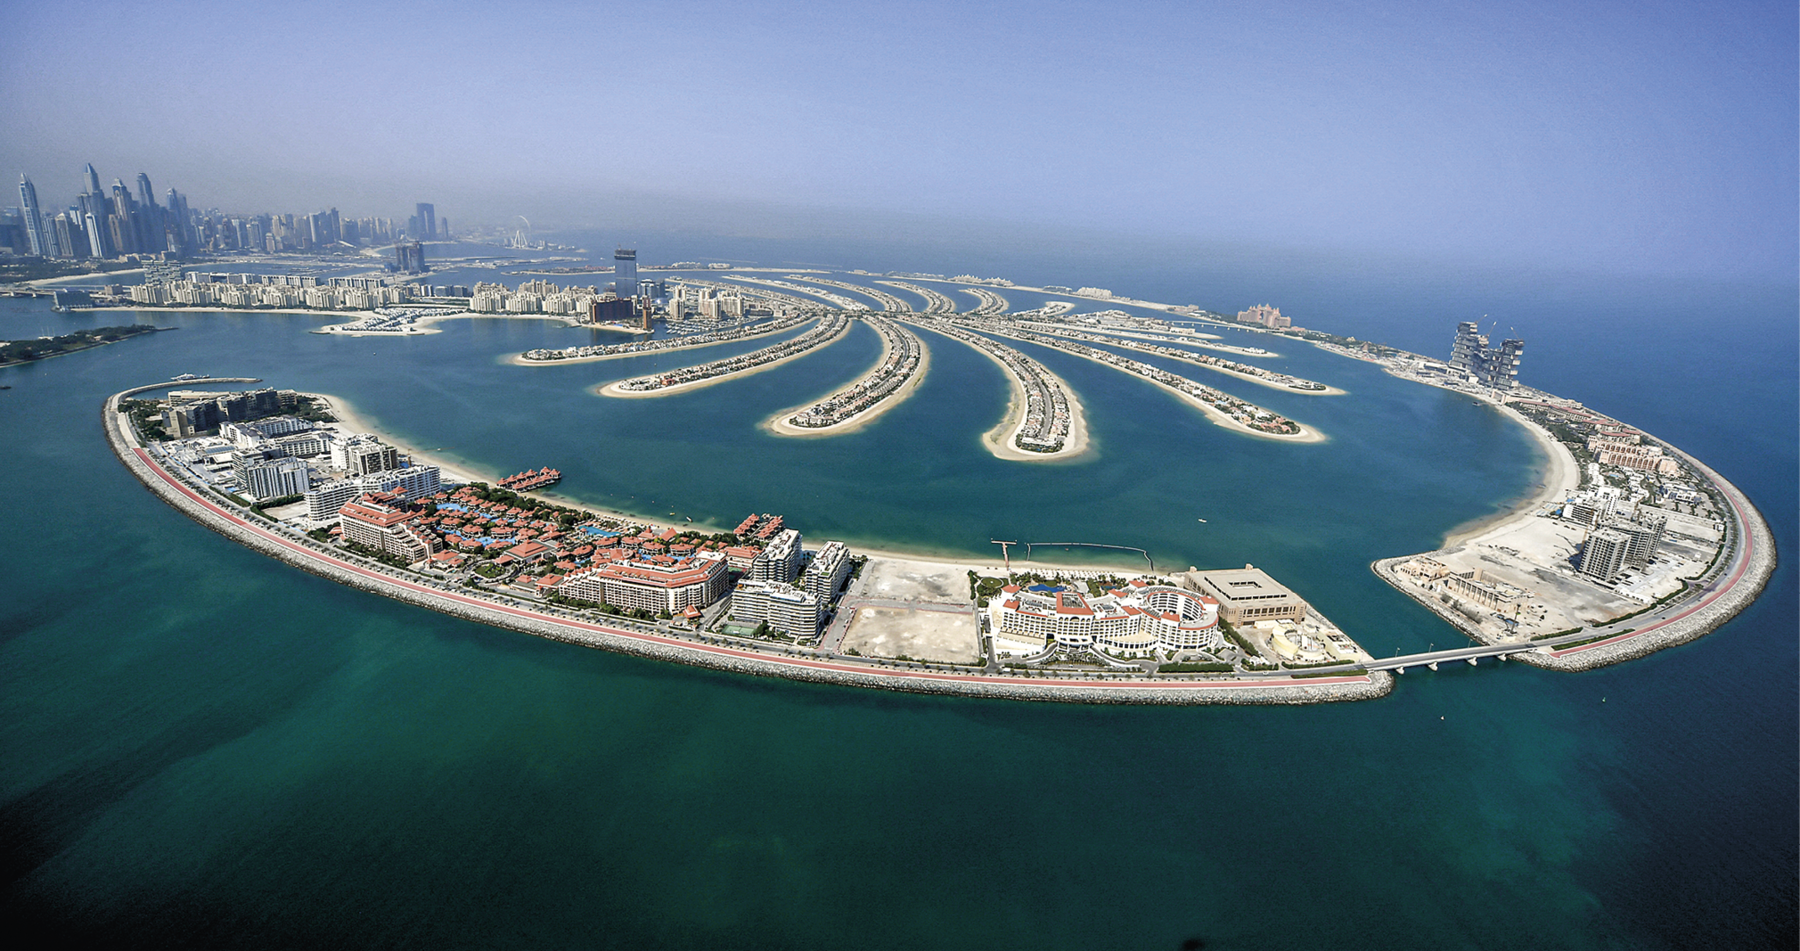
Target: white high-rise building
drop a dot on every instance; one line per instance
(274, 478)
(780, 561)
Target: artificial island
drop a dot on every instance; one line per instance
(1629, 546)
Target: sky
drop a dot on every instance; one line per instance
(1643, 137)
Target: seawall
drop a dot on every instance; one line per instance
(564, 626)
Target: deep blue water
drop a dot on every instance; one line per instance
(199, 746)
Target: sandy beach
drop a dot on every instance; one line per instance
(999, 440)
(1561, 477)
(612, 389)
(352, 420)
(779, 425)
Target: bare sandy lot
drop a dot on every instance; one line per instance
(947, 636)
(899, 579)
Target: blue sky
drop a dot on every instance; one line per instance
(1643, 137)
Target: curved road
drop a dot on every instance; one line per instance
(671, 646)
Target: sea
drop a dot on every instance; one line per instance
(202, 747)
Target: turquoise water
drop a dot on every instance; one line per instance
(201, 746)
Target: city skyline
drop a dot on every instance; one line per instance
(105, 224)
(1609, 138)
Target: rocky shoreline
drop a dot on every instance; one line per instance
(392, 583)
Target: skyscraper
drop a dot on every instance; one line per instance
(124, 210)
(625, 281)
(1603, 555)
(93, 180)
(427, 222)
(409, 257)
(99, 244)
(178, 221)
(1497, 367)
(34, 220)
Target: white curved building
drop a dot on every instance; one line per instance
(1129, 622)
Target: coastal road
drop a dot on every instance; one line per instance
(417, 590)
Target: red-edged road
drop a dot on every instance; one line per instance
(1746, 546)
(449, 597)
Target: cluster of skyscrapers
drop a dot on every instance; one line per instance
(106, 223)
(1495, 367)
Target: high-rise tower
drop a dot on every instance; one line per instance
(625, 281)
(1496, 367)
(34, 220)
(93, 181)
(427, 222)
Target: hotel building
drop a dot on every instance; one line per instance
(1132, 621)
(378, 521)
(657, 586)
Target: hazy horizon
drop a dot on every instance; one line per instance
(1614, 138)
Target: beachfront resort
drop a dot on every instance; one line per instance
(1630, 545)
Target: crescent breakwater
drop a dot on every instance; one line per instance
(1714, 599)
(717, 653)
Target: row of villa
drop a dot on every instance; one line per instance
(827, 329)
(905, 354)
(739, 332)
(1199, 359)
(1245, 413)
(1047, 414)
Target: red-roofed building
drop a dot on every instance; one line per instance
(669, 587)
(527, 552)
(374, 521)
